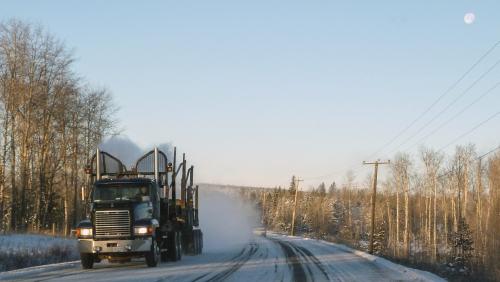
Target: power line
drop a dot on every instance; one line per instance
(453, 101)
(320, 176)
(489, 152)
(448, 106)
(477, 159)
(448, 90)
(438, 99)
(323, 176)
(333, 173)
(470, 130)
(456, 115)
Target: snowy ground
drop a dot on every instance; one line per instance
(271, 258)
(24, 250)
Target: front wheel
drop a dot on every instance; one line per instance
(153, 256)
(87, 260)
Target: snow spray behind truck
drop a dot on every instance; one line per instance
(136, 214)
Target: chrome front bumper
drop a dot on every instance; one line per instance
(114, 246)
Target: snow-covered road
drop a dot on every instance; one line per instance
(271, 258)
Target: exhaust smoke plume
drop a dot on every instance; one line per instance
(225, 219)
(123, 148)
(128, 152)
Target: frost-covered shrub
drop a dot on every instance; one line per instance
(25, 250)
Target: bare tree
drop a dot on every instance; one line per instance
(432, 161)
(45, 114)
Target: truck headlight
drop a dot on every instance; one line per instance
(83, 232)
(143, 230)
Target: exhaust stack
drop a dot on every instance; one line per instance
(157, 177)
(98, 164)
(184, 180)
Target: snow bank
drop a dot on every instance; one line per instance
(25, 250)
(415, 274)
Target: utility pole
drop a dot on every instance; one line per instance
(296, 184)
(264, 216)
(374, 195)
(478, 191)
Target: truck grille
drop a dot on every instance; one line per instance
(112, 223)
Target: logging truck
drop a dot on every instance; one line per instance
(136, 213)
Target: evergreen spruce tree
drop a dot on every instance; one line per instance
(462, 245)
(332, 189)
(322, 189)
(292, 186)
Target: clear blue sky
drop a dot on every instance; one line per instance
(255, 91)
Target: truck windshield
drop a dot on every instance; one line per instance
(123, 192)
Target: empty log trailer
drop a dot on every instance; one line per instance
(136, 213)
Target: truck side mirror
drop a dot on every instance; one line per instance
(82, 195)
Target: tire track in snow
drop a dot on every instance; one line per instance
(236, 263)
(293, 261)
(301, 260)
(314, 259)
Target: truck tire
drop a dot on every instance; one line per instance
(173, 246)
(153, 256)
(87, 260)
(197, 242)
(171, 250)
(179, 245)
(165, 244)
(164, 256)
(200, 242)
(189, 245)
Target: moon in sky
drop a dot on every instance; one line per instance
(469, 18)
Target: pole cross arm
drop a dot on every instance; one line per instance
(377, 162)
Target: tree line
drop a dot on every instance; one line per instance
(51, 120)
(434, 211)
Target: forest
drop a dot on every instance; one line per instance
(51, 120)
(433, 211)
